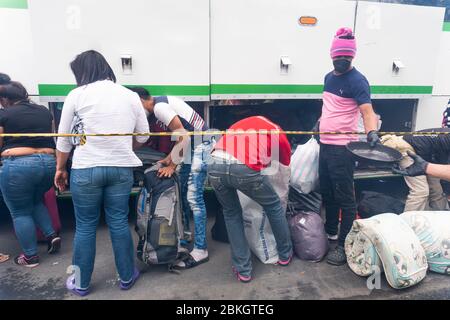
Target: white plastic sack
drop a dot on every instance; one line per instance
(256, 224)
(386, 241)
(305, 167)
(433, 230)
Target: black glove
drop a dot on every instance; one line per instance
(418, 168)
(373, 139)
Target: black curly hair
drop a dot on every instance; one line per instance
(13, 91)
(4, 79)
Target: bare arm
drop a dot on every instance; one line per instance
(63, 145)
(141, 125)
(176, 155)
(369, 117)
(421, 167)
(182, 142)
(439, 171)
(137, 145)
(61, 160)
(61, 177)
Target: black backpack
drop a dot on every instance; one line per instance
(159, 221)
(300, 202)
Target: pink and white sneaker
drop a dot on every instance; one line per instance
(285, 263)
(241, 277)
(29, 262)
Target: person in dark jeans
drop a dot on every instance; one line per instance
(336, 169)
(28, 168)
(346, 95)
(237, 164)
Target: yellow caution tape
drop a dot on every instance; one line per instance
(203, 133)
(84, 137)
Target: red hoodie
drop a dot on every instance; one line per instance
(256, 150)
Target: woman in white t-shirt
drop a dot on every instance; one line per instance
(102, 169)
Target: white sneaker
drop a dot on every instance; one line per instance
(333, 238)
(199, 254)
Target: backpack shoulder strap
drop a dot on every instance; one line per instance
(162, 99)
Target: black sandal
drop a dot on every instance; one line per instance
(190, 262)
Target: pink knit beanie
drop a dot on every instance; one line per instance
(344, 43)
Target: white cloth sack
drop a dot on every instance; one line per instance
(433, 230)
(305, 167)
(256, 224)
(387, 242)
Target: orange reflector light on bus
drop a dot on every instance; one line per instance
(307, 21)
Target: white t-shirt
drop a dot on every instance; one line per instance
(104, 107)
(167, 108)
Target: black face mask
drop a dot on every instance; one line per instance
(341, 65)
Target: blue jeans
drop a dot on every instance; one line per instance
(226, 179)
(24, 182)
(110, 186)
(192, 181)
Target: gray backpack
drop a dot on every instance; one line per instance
(159, 221)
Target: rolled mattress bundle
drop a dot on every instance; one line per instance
(433, 230)
(386, 242)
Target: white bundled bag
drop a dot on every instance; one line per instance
(433, 230)
(305, 167)
(258, 232)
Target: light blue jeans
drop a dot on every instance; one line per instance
(110, 186)
(24, 182)
(192, 181)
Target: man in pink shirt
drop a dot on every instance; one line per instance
(346, 94)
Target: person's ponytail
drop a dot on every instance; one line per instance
(4, 79)
(13, 91)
